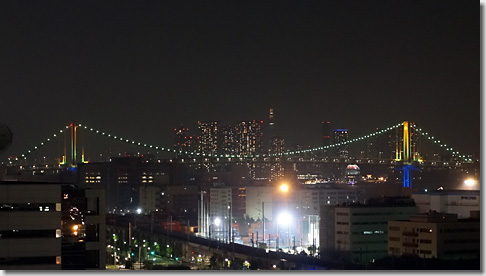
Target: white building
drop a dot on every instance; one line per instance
(460, 202)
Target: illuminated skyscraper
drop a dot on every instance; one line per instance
(277, 148)
(249, 136)
(182, 141)
(210, 138)
(340, 136)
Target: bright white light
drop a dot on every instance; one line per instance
(284, 187)
(217, 221)
(470, 182)
(284, 218)
(139, 211)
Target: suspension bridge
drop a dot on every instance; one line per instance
(401, 143)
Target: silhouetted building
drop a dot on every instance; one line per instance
(51, 226)
(435, 235)
(361, 229)
(30, 226)
(129, 181)
(326, 137)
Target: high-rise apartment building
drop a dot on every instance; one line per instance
(277, 149)
(183, 141)
(229, 142)
(249, 136)
(210, 138)
(341, 136)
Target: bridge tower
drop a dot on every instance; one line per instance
(406, 142)
(74, 151)
(407, 164)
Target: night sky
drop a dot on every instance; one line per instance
(139, 69)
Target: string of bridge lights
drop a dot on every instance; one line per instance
(46, 141)
(442, 145)
(133, 142)
(244, 156)
(379, 132)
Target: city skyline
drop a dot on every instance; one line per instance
(140, 70)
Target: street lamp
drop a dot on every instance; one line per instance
(284, 187)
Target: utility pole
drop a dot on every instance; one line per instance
(263, 220)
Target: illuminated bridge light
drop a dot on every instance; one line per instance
(91, 129)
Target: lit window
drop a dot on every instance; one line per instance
(58, 233)
(58, 207)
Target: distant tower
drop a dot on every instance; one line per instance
(326, 136)
(270, 132)
(340, 136)
(271, 123)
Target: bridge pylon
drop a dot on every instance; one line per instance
(74, 151)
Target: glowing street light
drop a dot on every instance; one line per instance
(284, 188)
(284, 218)
(470, 182)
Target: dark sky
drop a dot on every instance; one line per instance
(140, 68)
